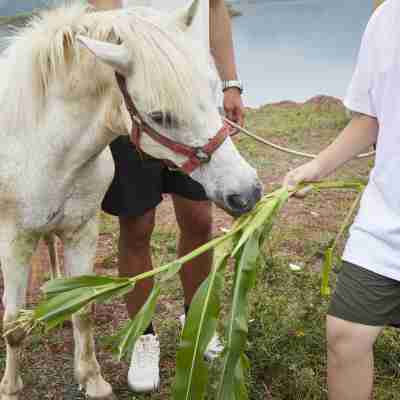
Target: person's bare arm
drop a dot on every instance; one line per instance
(359, 134)
(106, 4)
(221, 44)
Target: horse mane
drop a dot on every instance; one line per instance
(45, 54)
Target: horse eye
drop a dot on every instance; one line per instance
(167, 119)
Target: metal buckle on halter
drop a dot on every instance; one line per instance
(202, 156)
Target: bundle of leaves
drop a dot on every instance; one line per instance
(242, 244)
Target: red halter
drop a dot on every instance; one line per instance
(196, 155)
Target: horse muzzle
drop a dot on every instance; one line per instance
(240, 202)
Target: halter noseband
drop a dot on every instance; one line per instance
(196, 155)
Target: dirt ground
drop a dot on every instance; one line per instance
(47, 362)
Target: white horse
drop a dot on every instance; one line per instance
(60, 108)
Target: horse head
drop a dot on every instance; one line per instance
(170, 80)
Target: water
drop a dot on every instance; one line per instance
(285, 49)
(296, 49)
(11, 7)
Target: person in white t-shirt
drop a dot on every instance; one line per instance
(367, 295)
(134, 197)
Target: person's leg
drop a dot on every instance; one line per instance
(350, 359)
(133, 196)
(195, 222)
(135, 256)
(363, 303)
(134, 259)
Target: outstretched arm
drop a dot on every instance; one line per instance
(106, 4)
(360, 133)
(221, 44)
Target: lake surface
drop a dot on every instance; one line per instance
(286, 49)
(289, 49)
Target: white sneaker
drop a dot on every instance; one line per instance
(144, 371)
(214, 348)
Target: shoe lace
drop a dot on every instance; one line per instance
(147, 351)
(215, 344)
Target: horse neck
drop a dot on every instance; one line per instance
(72, 132)
(72, 127)
(85, 131)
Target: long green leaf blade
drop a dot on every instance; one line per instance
(326, 270)
(61, 306)
(126, 338)
(263, 214)
(60, 285)
(191, 369)
(328, 259)
(230, 388)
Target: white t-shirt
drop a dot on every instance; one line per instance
(374, 241)
(200, 26)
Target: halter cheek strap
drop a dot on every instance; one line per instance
(196, 155)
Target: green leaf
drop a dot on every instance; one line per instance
(326, 270)
(61, 306)
(57, 286)
(231, 386)
(328, 259)
(264, 215)
(191, 369)
(356, 184)
(126, 338)
(240, 377)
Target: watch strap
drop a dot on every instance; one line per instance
(232, 84)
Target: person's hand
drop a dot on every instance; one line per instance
(305, 173)
(233, 105)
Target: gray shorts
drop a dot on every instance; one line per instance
(364, 297)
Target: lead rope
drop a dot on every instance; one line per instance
(281, 148)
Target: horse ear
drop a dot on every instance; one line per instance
(185, 17)
(114, 55)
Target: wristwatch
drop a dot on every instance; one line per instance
(232, 84)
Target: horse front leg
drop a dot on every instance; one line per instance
(16, 254)
(79, 255)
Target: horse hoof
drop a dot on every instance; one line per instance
(9, 397)
(99, 390)
(8, 392)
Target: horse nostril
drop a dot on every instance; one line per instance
(258, 193)
(237, 202)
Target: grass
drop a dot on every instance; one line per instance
(287, 333)
(287, 339)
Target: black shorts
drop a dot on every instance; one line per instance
(139, 183)
(365, 297)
